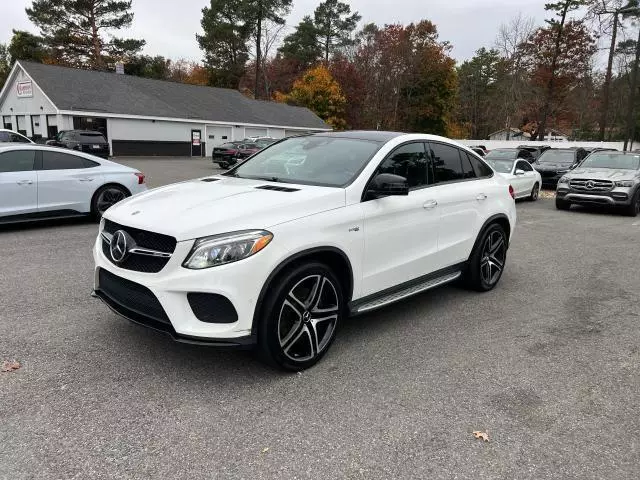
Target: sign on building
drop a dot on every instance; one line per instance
(25, 89)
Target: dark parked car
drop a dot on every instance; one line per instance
(229, 153)
(509, 154)
(87, 141)
(479, 151)
(555, 162)
(536, 150)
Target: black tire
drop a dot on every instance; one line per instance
(105, 197)
(488, 259)
(633, 209)
(296, 315)
(562, 204)
(535, 192)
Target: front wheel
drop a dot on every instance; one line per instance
(106, 197)
(633, 209)
(300, 320)
(487, 261)
(562, 204)
(535, 192)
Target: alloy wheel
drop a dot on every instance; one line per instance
(308, 318)
(494, 253)
(535, 192)
(109, 197)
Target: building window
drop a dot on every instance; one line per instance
(91, 123)
(52, 126)
(6, 122)
(22, 125)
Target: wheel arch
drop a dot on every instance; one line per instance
(499, 219)
(333, 257)
(108, 184)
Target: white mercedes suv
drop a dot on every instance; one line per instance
(279, 250)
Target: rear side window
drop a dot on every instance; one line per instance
(524, 166)
(61, 161)
(17, 161)
(409, 161)
(481, 168)
(447, 166)
(467, 168)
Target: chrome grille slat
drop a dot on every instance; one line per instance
(597, 186)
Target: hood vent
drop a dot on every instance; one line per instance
(275, 188)
(209, 179)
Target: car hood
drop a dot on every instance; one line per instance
(199, 208)
(604, 174)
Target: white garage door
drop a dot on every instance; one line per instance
(255, 132)
(289, 133)
(215, 136)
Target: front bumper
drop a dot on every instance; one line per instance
(165, 304)
(614, 198)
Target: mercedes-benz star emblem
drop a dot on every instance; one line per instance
(590, 184)
(118, 246)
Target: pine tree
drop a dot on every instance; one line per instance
(79, 31)
(5, 64)
(302, 45)
(334, 23)
(224, 41)
(26, 46)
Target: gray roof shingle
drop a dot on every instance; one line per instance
(87, 90)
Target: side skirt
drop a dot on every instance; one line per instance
(405, 290)
(37, 216)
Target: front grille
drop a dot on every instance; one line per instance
(143, 239)
(586, 185)
(131, 296)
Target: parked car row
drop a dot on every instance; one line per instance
(228, 154)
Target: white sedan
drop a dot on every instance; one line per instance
(523, 178)
(38, 182)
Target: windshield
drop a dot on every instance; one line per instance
(314, 160)
(558, 156)
(500, 166)
(609, 160)
(501, 155)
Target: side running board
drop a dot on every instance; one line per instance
(407, 292)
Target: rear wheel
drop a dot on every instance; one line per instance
(106, 197)
(487, 261)
(633, 209)
(562, 204)
(535, 192)
(300, 320)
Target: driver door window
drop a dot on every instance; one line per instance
(408, 161)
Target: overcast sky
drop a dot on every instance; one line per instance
(169, 26)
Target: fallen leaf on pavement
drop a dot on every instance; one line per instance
(10, 365)
(482, 435)
(265, 449)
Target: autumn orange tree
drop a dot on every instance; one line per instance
(320, 92)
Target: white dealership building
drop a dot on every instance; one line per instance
(141, 116)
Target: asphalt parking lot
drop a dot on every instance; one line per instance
(547, 364)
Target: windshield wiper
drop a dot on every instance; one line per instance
(270, 179)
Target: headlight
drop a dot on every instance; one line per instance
(563, 171)
(624, 183)
(564, 180)
(226, 248)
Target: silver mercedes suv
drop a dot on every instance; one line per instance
(603, 178)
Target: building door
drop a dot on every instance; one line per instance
(196, 143)
(36, 131)
(22, 125)
(216, 136)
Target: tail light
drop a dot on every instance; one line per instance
(140, 177)
(512, 192)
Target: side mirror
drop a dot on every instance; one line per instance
(520, 172)
(387, 184)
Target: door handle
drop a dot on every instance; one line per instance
(481, 197)
(430, 204)
(86, 179)
(25, 182)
